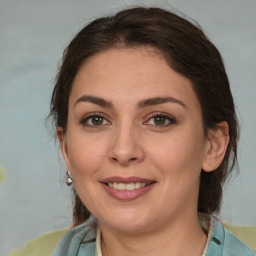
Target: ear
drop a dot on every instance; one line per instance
(216, 146)
(63, 146)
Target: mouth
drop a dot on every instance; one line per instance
(127, 188)
(129, 183)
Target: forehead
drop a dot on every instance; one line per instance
(131, 74)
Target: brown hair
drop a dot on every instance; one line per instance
(187, 50)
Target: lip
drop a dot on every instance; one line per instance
(126, 180)
(127, 195)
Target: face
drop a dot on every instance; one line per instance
(134, 143)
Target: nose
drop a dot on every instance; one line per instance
(126, 146)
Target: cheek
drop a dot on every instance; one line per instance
(86, 153)
(178, 157)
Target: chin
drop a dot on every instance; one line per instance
(128, 227)
(126, 222)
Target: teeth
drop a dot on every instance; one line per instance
(121, 186)
(128, 186)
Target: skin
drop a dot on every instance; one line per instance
(129, 141)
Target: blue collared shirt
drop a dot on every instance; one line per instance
(81, 241)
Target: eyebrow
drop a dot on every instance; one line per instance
(142, 104)
(160, 100)
(95, 100)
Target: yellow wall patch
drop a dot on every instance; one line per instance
(2, 172)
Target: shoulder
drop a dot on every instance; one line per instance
(60, 240)
(233, 246)
(44, 245)
(224, 243)
(77, 240)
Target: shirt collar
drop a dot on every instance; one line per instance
(206, 221)
(98, 243)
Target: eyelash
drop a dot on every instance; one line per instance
(90, 116)
(167, 117)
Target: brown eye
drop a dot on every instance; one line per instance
(97, 120)
(159, 120)
(94, 120)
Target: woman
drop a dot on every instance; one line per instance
(148, 131)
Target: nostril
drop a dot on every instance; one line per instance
(124, 161)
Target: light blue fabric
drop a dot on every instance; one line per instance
(224, 243)
(80, 241)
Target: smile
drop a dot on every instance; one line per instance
(128, 186)
(127, 189)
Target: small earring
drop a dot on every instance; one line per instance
(69, 179)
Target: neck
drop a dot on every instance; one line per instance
(167, 239)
